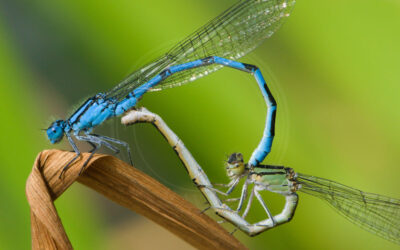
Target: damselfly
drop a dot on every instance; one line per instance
(375, 213)
(231, 35)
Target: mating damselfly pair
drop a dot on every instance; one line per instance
(219, 43)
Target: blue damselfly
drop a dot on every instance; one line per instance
(231, 35)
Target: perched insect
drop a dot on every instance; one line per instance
(231, 35)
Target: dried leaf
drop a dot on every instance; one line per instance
(122, 184)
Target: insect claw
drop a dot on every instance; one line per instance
(204, 210)
(231, 233)
(61, 176)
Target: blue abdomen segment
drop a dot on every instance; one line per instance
(131, 99)
(264, 147)
(125, 104)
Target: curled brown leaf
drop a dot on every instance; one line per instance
(122, 184)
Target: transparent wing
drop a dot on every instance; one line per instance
(231, 35)
(375, 213)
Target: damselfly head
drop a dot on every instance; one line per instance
(235, 165)
(56, 131)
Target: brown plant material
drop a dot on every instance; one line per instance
(122, 184)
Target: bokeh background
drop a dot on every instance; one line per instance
(333, 68)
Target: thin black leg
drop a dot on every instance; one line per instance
(78, 153)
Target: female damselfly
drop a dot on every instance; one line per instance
(375, 213)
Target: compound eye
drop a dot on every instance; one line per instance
(53, 130)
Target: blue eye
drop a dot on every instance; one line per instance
(55, 131)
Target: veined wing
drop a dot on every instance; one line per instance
(232, 34)
(375, 213)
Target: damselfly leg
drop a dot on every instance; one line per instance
(260, 199)
(122, 143)
(77, 152)
(96, 141)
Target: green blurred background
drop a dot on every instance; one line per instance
(333, 68)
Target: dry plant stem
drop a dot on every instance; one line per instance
(124, 185)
